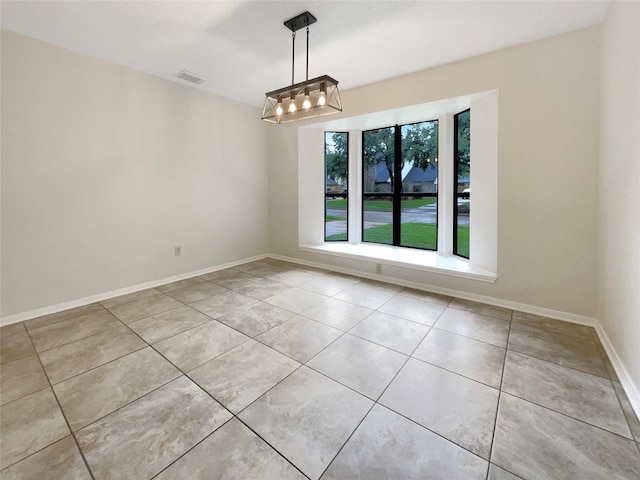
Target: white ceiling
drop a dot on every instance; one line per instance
(242, 49)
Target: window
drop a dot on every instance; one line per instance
(336, 172)
(401, 208)
(462, 183)
(475, 254)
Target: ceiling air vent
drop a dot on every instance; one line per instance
(189, 77)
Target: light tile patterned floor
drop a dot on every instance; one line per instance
(272, 370)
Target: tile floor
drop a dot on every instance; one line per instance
(272, 370)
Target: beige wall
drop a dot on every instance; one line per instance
(619, 183)
(547, 168)
(105, 170)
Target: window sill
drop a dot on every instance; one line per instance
(404, 257)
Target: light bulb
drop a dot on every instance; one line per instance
(292, 107)
(279, 109)
(307, 103)
(322, 99)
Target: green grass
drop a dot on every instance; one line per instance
(420, 235)
(328, 218)
(382, 205)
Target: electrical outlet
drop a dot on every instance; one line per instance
(177, 251)
(378, 268)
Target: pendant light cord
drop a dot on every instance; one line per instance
(307, 52)
(293, 56)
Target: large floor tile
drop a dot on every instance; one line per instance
(296, 300)
(562, 349)
(426, 296)
(263, 288)
(241, 375)
(76, 357)
(384, 286)
(167, 324)
(187, 282)
(144, 307)
(28, 425)
(413, 309)
(61, 460)
(307, 417)
(16, 346)
(221, 304)
(553, 325)
(295, 278)
(583, 396)
(129, 297)
(256, 318)
(159, 428)
(497, 473)
(196, 292)
(232, 452)
(299, 338)
(359, 364)
(539, 444)
(194, 347)
(365, 296)
(455, 407)
(64, 315)
(20, 378)
(98, 392)
(14, 328)
(474, 359)
(388, 446)
(474, 325)
(337, 313)
(328, 285)
(632, 418)
(391, 332)
(481, 308)
(232, 278)
(67, 331)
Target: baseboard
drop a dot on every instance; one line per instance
(521, 307)
(630, 388)
(59, 307)
(627, 383)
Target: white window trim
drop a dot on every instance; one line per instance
(482, 264)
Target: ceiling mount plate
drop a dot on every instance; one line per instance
(303, 20)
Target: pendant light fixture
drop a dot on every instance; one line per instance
(311, 98)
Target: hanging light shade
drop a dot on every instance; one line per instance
(311, 98)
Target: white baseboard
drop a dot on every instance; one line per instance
(628, 385)
(630, 388)
(59, 307)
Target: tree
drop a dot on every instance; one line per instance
(464, 143)
(379, 147)
(420, 144)
(336, 156)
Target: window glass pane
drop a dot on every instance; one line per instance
(377, 219)
(336, 194)
(419, 223)
(462, 124)
(378, 157)
(420, 157)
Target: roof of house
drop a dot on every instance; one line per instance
(331, 181)
(382, 174)
(421, 175)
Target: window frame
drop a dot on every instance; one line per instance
(396, 193)
(456, 194)
(341, 195)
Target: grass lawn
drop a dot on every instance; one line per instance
(328, 218)
(421, 235)
(382, 205)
